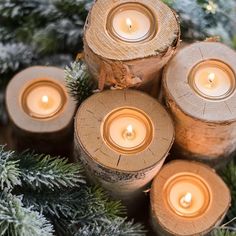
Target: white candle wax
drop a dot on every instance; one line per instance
(127, 130)
(43, 100)
(131, 22)
(131, 25)
(213, 79)
(187, 195)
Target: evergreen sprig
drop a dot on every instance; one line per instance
(229, 176)
(227, 229)
(223, 232)
(118, 227)
(32, 29)
(17, 220)
(13, 56)
(39, 171)
(79, 82)
(41, 194)
(206, 18)
(9, 170)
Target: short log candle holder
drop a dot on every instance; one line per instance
(41, 111)
(127, 43)
(123, 138)
(199, 90)
(188, 198)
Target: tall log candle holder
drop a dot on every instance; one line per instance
(188, 198)
(41, 111)
(127, 43)
(199, 90)
(123, 138)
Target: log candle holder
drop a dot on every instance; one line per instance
(188, 198)
(41, 111)
(199, 90)
(127, 43)
(123, 138)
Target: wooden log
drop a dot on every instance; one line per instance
(125, 174)
(205, 128)
(197, 179)
(53, 135)
(118, 64)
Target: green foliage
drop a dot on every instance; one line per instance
(32, 29)
(40, 171)
(54, 197)
(37, 171)
(206, 18)
(9, 170)
(119, 227)
(87, 207)
(49, 26)
(226, 229)
(79, 82)
(223, 232)
(17, 220)
(13, 56)
(229, 176)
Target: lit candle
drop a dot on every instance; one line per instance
(187, 195)
(123, 138)
(199, 85)
(127, 130)
(188, 198)
(144, 35)
(43, 100)
(212, 79)
(41, 111)
(131, 22)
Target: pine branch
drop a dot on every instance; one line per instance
(118, 227)
(95, 205)
(54, 204)
(38, 171)
(206, 18)
(9, 170)
(223, 232)
(13, 56)
(225, 229)
(56, 189)
(229, 176)
(59, 36)
(83, 206)
(78, 80)
(16, 220)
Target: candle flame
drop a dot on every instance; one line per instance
(45, 99)
(211, 77)
(129, 23)
(188, 198)
(129, 129)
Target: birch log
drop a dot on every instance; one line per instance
(124, 175)
(205, 129)
(118, 64)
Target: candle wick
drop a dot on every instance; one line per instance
(129, 23)
(211, 77)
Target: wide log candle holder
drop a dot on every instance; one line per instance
(41, 110)
(199, 90)
(123, 138)
(127, 43)
(188, 198)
